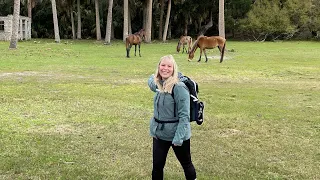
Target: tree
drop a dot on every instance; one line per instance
(55, 21)
(161, 18)
(267, 19)
(148, 21)
(98, 31)
(30, 4)
(125, 19)
(203, 29)
(299, 13)
(72, 23)
(315, 18)
(167, 22)
(79, 20)
(15, 24)
(109, 22)
(235, 11)
(221, 19)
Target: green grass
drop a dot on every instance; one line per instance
(81, 110)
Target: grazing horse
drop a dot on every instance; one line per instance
(184, 40)
(208, 42)
(134, 39)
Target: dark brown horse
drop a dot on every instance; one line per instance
(205, 42)
(184, 40)
(134, 39)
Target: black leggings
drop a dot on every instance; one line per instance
(160, 151)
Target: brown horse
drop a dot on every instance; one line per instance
(184, 40)
(134, 39)
(205, 42)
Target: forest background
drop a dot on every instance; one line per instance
(244, 19)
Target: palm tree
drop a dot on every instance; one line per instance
(97, 20)
(30, 5)
(72, 23)
(148, 21)
(164, 38)
(221, 19)
(79, 20)
(67, 6)
(161, 18)
(15, 24)
(125, 19)
(109, 22)
(55, 21)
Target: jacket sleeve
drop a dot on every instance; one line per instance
(152, 84)
(182, 100)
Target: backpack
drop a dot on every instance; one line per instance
(196, 106)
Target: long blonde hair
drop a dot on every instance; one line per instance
(168, 84)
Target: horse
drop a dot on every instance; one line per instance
(208, 42)
(135, 39)
(184, 40)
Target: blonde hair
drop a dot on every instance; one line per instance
(168, 84)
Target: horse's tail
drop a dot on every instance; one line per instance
(127, 46)
(127, 42)
(222, 51)
(178, 47)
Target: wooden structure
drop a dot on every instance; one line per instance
(24, 32)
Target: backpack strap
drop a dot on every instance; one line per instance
(172, 94)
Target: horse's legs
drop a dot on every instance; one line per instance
(188, 46)
(200, 55)
(135, 50)
(139, 50)
(128, 50)
(222, 51)
(205, 54)
(219, 49)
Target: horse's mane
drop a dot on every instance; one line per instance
(195, 45)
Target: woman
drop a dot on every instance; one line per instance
(170, 126)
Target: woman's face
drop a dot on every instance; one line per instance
(166, 68)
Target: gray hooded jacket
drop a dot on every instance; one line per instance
(164, 105)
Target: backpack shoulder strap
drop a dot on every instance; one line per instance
(172, 92)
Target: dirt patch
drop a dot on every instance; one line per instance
(229, 132)
(25, 73)
(218, 57)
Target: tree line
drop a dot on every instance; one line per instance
(166, 19)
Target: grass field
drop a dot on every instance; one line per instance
(81, 110)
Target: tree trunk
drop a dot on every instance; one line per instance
(109, 23)
(55, 21)
(125, 19)
(72, 24)
(96, 2)
(79, 20)
(149, 21)
(144, 12)
(161, 18)
(164, 38)
(204, 28)
(15, 25)
(221, 19)
(30, 9)
(186, 27)
(129, 23)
